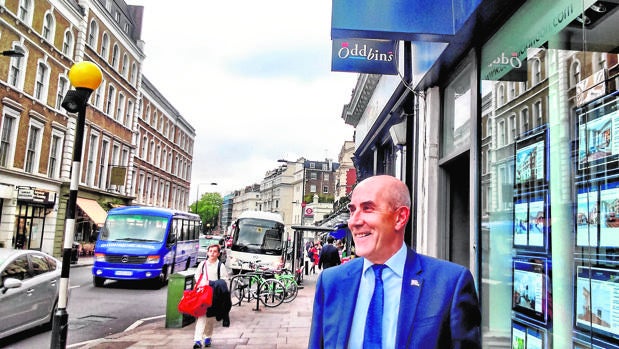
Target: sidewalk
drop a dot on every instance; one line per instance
(284, 327)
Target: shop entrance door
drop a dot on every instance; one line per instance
(458, 234)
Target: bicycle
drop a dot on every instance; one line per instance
(259, 285)
(287, 278)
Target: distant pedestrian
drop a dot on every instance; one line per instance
(329, 255)
(312, 253)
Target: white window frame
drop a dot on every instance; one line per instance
(115, 56)
(32, 153)
(105, 46)
(41, 82)
(53, 167)
(61, 90)
(17, 69)
(120, 108)
(49, 27)
(93, 34)
(11, 135)
(68, 43)
(25, 11)
(91, 158)
(111, 101)
(103, 164)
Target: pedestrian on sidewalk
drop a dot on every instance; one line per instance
(393, 297)
(213, 270)
(329, 255)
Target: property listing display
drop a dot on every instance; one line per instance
(530, 221)
(598, 136)
(531, 286)
(596, 224)
(526, 336)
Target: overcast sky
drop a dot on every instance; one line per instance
(253, 78)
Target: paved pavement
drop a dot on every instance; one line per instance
(284, 327)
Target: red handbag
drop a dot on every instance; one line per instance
(196, 302)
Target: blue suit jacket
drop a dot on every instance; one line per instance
(438, 306)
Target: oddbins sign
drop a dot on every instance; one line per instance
(308, 212)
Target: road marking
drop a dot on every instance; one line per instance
(141, 321)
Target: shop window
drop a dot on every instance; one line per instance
(456, 124)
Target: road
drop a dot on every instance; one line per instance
(96, 312)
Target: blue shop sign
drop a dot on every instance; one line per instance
(365, 56)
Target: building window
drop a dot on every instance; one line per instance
(55, 153)
(512, 128)
(120, 110)
(312, 188)
(134, 73)
(8, 140)
(325, 176)
(144, 147)
(125, 66)
(105, 46)
(92, 158)
(539, 114)
(41, 83)
(97, 98)
(325, 189)
(103, 164)
(129, 115)
(48, 27)
(151, 152)
(536, 68)
(502, 141)
(33, 148)
(16, 70)
(93, 34)
(111, 96)
(574, 73)
(67, 45)
(524, 120)
(115, 54)
(24, 12)
(501, 96)
(61, 91)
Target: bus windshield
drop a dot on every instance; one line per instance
(258, 234)
(135, 227)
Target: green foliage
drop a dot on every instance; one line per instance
(208, 208)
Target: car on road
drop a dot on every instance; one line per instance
(208, 240)
(29, 288)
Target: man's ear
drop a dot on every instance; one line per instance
(402, 215)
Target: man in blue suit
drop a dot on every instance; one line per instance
(427, 302)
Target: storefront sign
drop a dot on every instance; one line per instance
(534, 24)
(365, 56)
(399, 19)
(118, 175)
(35, 195)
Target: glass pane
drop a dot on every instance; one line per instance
(457, 114)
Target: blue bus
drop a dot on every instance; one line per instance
(145, 243)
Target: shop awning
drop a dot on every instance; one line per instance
(95, 212)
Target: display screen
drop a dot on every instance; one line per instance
(530, 221)
(587, 216)
(530, 161)
(597, 300)
(598, 135)
(609, 214)
(527, 337)
(530, 287)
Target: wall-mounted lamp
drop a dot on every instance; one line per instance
(16, 52)
(398, 133)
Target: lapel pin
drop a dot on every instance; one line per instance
(415, 282)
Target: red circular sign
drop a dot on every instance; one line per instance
(309, 211)
(303, 204)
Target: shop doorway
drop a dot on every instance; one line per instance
(458, 213)
(29, 226)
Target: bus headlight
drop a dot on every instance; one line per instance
(99, 257)
(152, 259)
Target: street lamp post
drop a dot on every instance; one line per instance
(86, 77)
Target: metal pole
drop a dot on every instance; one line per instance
(61, 317)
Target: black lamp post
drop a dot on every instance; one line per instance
(16, 52)
(86, 77)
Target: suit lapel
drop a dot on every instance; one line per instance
(347, 302)
(412, 282)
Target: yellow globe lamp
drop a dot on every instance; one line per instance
(85, 74)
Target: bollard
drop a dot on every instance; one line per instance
(178, 283)
(306, 267)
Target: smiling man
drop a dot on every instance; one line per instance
(393, 297)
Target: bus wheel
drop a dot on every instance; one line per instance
(162, 280)
(98, 281)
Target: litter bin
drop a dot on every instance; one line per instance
(178, 283)
(75, 253)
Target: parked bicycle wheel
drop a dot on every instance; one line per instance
(272, 293)
(292, 289)
(238, 288)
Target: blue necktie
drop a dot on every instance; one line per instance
(372, 337)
